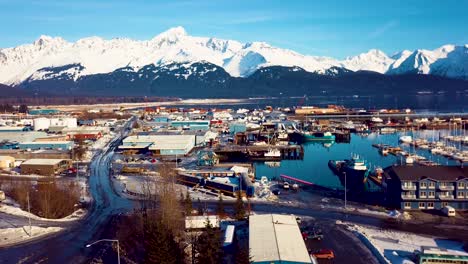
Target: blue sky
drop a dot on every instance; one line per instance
(328, 28)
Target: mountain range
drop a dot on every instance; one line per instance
(175, 62)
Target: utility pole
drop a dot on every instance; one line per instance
(29, 217)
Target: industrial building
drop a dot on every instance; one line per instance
(47, 167)
(43, 123)
(426, 187)
(164, 145)
(64, 145)
(275, 238)
(192, 124)
(7, 162)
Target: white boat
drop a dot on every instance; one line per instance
(286, 185)
(406, 139)
(376, 119)
(437, 150)
(273, 153)
(409, 160)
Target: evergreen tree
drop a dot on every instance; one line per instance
(161, 245)
(200, 207)
(239, 208)
(23, 109)
(188, 205)
(209, 246)
(242, 255)
(220, 208)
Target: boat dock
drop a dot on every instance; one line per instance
(256, 153)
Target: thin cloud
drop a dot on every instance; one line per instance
(382, 29)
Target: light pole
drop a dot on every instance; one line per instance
(345, 190)
(108, 240)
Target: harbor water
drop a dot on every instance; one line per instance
(314, 166)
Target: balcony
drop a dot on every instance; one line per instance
(408, 196)
(445, 196)
(431, 186)
(461, 187)
(446, 187)
(408, 187)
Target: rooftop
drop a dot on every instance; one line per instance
(42, 161)
(274, 237)
(439, 173)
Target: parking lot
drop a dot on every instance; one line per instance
(347, 248)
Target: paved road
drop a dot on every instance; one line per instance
(69, 246)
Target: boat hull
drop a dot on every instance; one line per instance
(355, 179)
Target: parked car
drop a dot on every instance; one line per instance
(448, 211)
(324, 254)
(312, 235)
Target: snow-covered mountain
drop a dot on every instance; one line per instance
(55, 58)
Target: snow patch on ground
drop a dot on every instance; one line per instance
(399, 247)
(10, 207)
(21, 234)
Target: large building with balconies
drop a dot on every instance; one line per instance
(426, 187)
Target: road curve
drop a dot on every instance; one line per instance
(69, 246)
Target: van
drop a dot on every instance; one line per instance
(448, 211)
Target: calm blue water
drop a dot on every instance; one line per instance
(314, 167)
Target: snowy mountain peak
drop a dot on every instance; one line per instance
(171, 35)
(51, 57)
(45, 40)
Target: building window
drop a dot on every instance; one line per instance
(431, 194)
(431, 184)
(430, 205)
(422, 195)
(407, 205)
(460, 194)
(444, 204)
(422, 205)
(461, 185)
(423, 184)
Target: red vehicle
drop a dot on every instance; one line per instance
(324, 254)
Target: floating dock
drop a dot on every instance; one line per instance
(256, 153)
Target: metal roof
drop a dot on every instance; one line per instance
(439, 173)
(42, 161)
(274, 237)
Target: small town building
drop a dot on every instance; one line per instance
(64, 145)
(7, 162)
(437, 255)
(192, 124)
(200, 221)
(275, 238)
(426, 187)
(46, 167)
(164, 145)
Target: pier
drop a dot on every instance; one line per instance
(257, 153)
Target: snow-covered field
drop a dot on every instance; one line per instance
(399, 247)
(20, 234)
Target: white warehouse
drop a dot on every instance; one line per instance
(165, 145)
(43, 123)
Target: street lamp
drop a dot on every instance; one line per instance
(108, 240)
(345, 190)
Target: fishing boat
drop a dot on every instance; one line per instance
(355, 170)
(273, 154)
(406, 139)
(318, 136)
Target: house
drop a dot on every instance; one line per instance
(7, 162)
(46, 167)
(426, 187)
